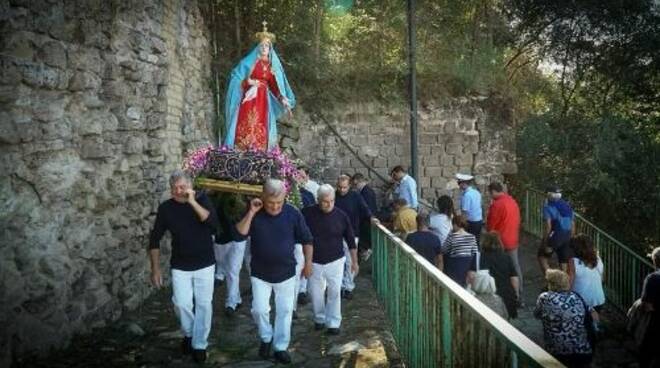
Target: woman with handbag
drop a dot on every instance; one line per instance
(500, 266)
(482, 284)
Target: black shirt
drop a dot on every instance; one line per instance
(369, 197)
(425, 243)
(354, 206)
(272, 243)
(192, 245)
(307, 198)
(328, 230)
(651, 290)
(501, 268)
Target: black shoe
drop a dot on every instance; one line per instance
(319, 326)
(332, 331)
(199, 355)
(218, 282)
(264, 350)
(348, 295)
(186, 346)
(302, 299)
(294, 315)
(282, 357)
(229, 312)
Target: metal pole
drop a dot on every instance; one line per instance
(413, 91)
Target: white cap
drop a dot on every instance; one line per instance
(464, 177)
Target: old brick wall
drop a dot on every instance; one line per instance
(98, 102)
(469, 135)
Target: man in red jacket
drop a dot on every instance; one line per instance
(504, 218)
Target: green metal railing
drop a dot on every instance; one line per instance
(436, 322)
(624, 269)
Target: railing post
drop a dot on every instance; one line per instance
(527, 225)
(446, 329)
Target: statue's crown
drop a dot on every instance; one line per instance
(264, 35)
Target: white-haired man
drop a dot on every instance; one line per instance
(330, 228)
(191, 221)
(274, 228)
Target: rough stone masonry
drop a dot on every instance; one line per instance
(98, 102)
(469, 134)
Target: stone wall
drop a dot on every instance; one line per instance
(98, 101)
(469, 135)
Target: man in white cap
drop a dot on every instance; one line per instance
(470, 201)
(559, 227)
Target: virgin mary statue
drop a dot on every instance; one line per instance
(258, 95)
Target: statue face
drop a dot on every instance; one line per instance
(264, 48)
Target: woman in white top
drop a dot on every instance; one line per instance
(585, 272)
(441, 221)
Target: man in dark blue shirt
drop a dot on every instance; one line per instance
(191, 220)
(424, 242)
(308, 199)
(274, 228)
(330, 228)
(353, 205)
(361, 185)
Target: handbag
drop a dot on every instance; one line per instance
(638, 321)
(483, 282)
(588, 323)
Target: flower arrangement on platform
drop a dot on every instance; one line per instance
(251, 167)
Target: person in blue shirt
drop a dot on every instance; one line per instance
(361, 185)
(353, 205)
(308, 200)
(330, 228)
(307, 197)
(471, 205)
(406, 188)
(274, 227)
(191, 220)
(559, 221)
(425, 242)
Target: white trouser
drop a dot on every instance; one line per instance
(221, 251)
(300, 283)
(247, 257)
(348, 283)
(198, 286)
(284, 299)
(230, 266)
(300, 263)
(327, 275)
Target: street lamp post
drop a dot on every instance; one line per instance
(413, 90)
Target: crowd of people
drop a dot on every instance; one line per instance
(312, 255)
